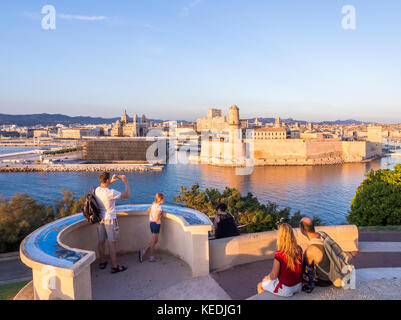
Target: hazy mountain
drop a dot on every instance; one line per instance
(292, 121)
(345, 122)
(46, 119)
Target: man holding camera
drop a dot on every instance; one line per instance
(108, 228)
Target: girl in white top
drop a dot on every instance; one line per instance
(155, 216)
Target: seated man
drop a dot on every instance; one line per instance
(224, 223)
(315, 257)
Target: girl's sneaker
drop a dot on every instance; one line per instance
(154, 259)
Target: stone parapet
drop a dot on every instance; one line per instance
(229, 252)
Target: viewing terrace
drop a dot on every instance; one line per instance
(62, 256)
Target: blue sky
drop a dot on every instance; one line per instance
(174, 59)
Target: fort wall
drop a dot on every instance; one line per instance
(312, 151)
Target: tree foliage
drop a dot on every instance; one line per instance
(247, 210)
(377, 201)
(21, 215)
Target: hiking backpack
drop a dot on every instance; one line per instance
(340, 268)
(91, 209)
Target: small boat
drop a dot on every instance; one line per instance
(387, 163)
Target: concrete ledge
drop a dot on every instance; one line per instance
(380, 246)
(246, 248)
(372, 283)
(202, 288)
(15, 280)
(9, 256)
(370, 274)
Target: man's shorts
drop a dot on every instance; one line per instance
(108, 230)
(154, 227)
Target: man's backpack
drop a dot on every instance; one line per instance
(339, 262)
(91, 209)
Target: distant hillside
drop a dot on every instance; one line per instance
(292, 121)
(345, 122)
(272, 120)
(46, 119)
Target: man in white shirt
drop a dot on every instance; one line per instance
(108, 228)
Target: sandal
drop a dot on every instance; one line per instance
(103, 265)
(118, 269)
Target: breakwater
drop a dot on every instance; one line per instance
(81, 168)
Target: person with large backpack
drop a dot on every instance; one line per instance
(107, 227)
(324, 259)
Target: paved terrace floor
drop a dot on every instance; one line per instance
(170, 278)
(240, 282)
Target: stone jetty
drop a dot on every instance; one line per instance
(81, 168)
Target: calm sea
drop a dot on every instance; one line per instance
(324, 191)
(5, 150)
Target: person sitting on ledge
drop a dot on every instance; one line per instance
(285, 279)
(108, 228)
(316, 259)
(224, 223)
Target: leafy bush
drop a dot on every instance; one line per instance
(377, 201)
(251, 215)
(21, 215)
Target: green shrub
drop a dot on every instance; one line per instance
(62, 151)
(251, 215)
(21, 215)
(377, 201)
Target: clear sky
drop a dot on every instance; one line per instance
(174, 59)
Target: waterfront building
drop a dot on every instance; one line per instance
(277, 123)
(214, 121)
(272, 133)
(127, 128)
(79, 133)
(185, 129)
(110, 150)
(38, 133)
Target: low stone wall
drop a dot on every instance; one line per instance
(186, 242)
(229, 252)
(56, 276)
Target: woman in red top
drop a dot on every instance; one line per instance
(286, 276)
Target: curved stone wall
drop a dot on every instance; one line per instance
(60, 253)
